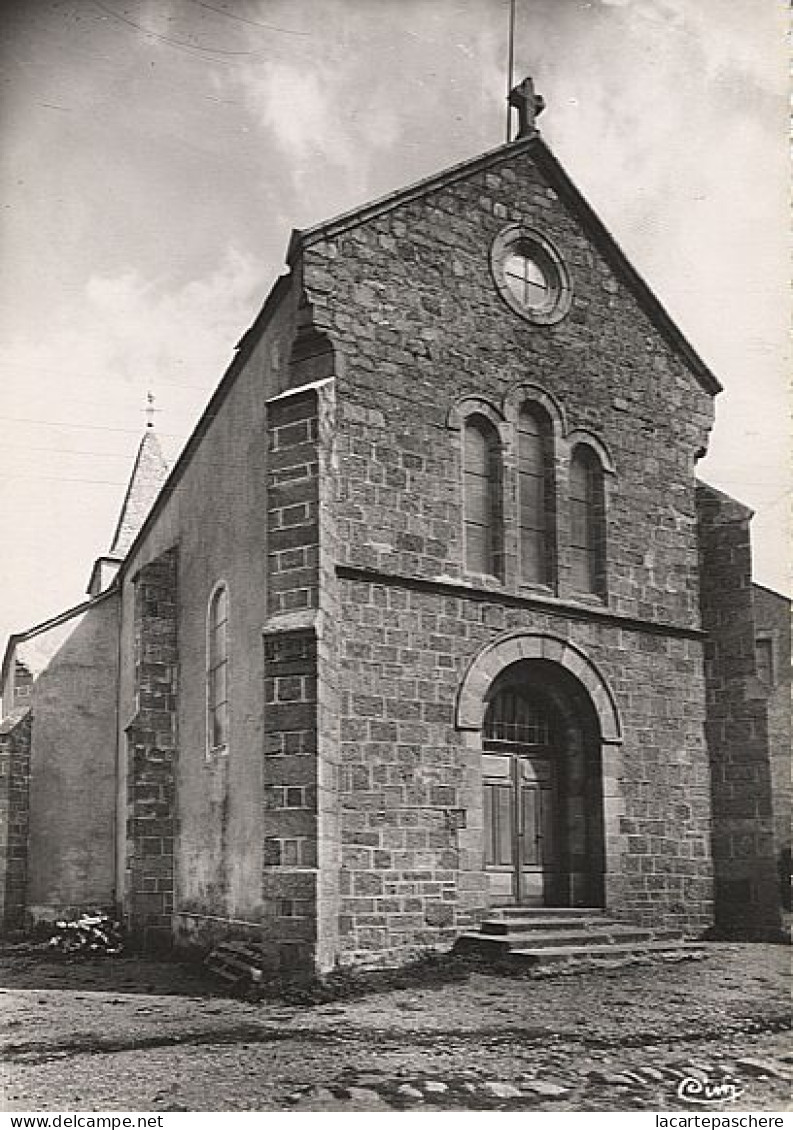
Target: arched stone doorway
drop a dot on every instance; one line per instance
(543, 732)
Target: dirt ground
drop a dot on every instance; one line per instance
(127, 1034)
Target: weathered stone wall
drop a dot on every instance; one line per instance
(292, 504)
(407, 878)
(356, 578)
(215, 511)
(152, 751)
(249, 508)
(23, 685)
(14, 816)
(300, 882)
(745, 867)
(72, 768)
(289, 819)
(772, 624)
(409, 303)
(18, 686)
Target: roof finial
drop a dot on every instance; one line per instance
(528, 104)
(150, 409)
(510, 66)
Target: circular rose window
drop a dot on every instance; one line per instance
(530, 275)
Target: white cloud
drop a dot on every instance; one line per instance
(295, 105)
(313, 110)
(660, 10)
(119, 336)
(126, 329)
(734, 39)
(329, 145)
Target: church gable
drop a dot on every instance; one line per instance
(429, 284)
(492, 279)
(523, 185)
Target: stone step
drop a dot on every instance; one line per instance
(514, 911)
(515, 947)
(549, 935)
(516, 925)
(546, 955)
(605, 935)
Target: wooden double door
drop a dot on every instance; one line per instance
(521, 826)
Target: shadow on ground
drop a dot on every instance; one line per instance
(36, 967)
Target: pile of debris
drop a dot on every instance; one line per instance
(89, 934)
(238, 963)
(246, 966)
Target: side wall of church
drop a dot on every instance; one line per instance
(215, 519)
(72, 770)
(745, 851)
(409, 301)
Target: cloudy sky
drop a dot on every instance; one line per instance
(154, 155)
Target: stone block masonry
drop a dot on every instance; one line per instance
(347, 820)
(744, 843)
(15, 733)
(409, 877)
(292, 504)
(772, 616)
(289, 817)
(23, 684)
(152, 748)
(407, 298)
(289, 799)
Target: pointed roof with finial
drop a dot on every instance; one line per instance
(148, 476)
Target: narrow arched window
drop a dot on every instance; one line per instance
(537, 513)
(482, 497)
(587, 523)
(218, 669)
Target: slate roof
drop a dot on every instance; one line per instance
(148, 477)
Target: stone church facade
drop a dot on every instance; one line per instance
(432, 614)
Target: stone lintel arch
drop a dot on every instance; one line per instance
(582, 437)
(522, 394)
(516, 646)
(474, 406)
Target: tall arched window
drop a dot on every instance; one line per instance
(482, 496)
(218, 669)
(587, 522)
(537, 517)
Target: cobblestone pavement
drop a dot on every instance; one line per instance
(125, 1034)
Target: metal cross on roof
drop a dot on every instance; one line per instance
(149, 410)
